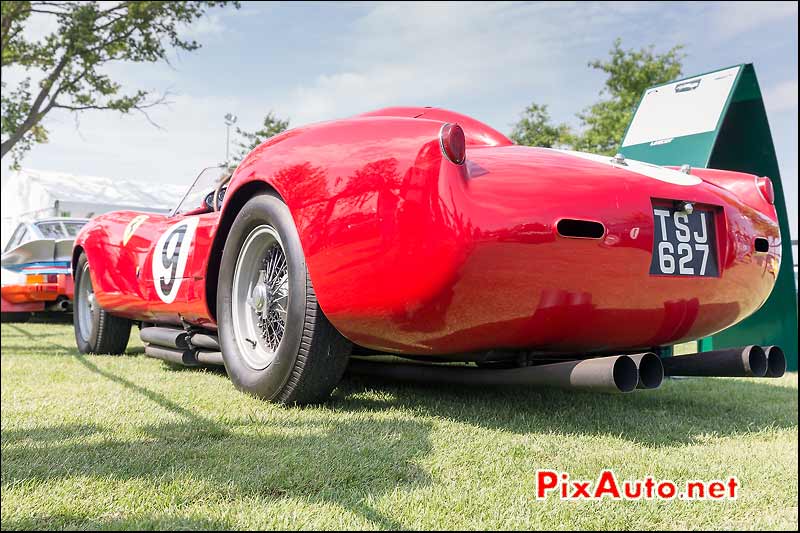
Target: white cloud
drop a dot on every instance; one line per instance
(409, 53)
(734, 18)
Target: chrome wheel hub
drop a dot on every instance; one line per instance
(260, 297)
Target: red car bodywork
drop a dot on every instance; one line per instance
(411, 253)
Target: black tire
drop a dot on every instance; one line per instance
(107, 334)
(15, 317)
(312, 355)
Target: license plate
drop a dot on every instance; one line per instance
(684, 244)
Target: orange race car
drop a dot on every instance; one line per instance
(36, 274)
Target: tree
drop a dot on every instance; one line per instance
(271, 126)
(535, 129)
(629, 73)
(69, 61)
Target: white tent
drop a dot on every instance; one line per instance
(29, 194)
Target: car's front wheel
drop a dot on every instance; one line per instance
(96, 331)
(276, 342)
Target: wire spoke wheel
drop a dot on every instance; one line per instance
(260, 296)
(276, 342)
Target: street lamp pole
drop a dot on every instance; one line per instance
(230, 120)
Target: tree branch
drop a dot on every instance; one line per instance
(8, 22)
(46, 12)
(141, 108)
(34, 116)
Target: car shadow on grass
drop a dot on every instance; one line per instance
(344, 463)
(674, 415)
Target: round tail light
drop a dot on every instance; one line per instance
(766, 189)
(453, 143)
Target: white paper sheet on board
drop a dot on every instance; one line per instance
(681, 108)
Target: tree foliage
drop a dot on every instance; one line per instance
(67, 64)
(629, 73)
(535, 129)
(602, 125)
(271, 126)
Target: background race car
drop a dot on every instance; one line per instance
(36, 273)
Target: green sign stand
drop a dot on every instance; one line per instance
(718, 120)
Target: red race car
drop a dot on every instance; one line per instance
(426, 234)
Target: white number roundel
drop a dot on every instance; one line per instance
(169, 258)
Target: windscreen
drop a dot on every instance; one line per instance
(206, 181)
(58, 229)
(51, 230)
(72, 228)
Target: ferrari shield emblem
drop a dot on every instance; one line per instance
(131, 228)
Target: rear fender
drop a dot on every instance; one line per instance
(743, 186)
(373, 199)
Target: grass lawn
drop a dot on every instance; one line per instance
(130, 442)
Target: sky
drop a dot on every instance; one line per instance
(310, 62)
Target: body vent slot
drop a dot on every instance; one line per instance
(580, 229)
(762, 245)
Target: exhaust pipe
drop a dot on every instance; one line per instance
(166, 337)
(617, 373)
(60, 305)
(204, 341)
(776, 361)
(747, 361)
(177, 346)
(171, 355)
(650, 368)
(209, 358)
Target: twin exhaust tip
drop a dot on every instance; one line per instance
(628, 372)
(746, 361)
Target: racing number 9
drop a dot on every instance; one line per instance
(170, 256)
